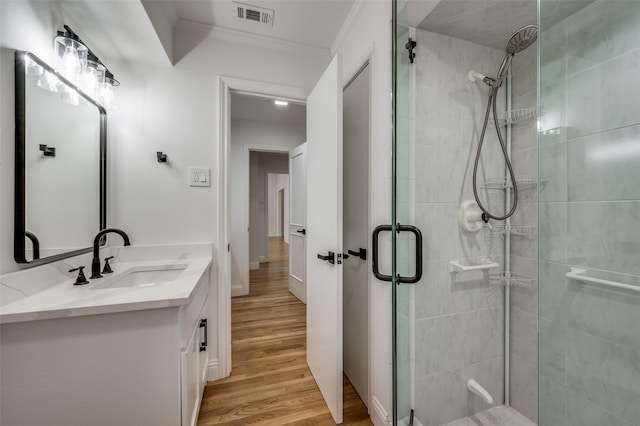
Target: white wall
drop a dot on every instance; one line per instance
(278, 182)
(265, 163)
(255, 134)
(370, 33)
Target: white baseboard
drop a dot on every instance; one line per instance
(378, 414)
(213, 370)
(238, 290)
(254, 265)
(263, 259)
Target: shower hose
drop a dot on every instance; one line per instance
(492, 108)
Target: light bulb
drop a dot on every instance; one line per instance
(90, 81)
(106, 95)
(71, 63)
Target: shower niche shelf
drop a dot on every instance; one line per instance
(517, 116)
(523, 182)
(504, 229)
(512, 279)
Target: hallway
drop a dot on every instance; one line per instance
(270, 383)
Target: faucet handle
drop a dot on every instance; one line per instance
(107, 268)
(81, 279)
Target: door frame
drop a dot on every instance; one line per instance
(246, 161)
(221, 367)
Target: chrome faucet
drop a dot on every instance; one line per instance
(95, 262)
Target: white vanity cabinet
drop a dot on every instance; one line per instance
(132, 368)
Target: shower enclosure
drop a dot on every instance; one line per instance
(534, 319)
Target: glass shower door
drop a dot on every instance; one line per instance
(403, 243)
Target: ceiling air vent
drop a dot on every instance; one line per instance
(246, 12)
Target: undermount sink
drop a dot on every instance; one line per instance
(144, 277)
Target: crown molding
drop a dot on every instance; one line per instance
(346, 25)
(256, 40)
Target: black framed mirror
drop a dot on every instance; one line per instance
(60, 164)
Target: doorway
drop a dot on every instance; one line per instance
(228, 217)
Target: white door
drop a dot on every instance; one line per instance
(297, 221)
(324, 236)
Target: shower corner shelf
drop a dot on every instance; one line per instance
(512, 279)
(523, 182)
(514, 229)
(517, 116)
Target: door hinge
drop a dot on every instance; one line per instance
(409, 46)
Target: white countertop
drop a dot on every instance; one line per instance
(65, 300)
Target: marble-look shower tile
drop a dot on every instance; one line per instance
(442, 236)
(525, 133)
(604, 97)
(524, 70)
(552, 349)
(552, 290)
(524, 337)
(438, 398)
(457, 122)
(525, 245)
(452, 341)
(604, 373)
(609, 314)
(552, 112)
(552, 400)
(553, 172)
(602, 31)
(525, 164)
(441, 292)
(446, 174)
(524, 389)
(552, 232)
(604, 166)
(581, 412)
(616, 245)
(525, 297)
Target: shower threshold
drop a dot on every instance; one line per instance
(496, 416)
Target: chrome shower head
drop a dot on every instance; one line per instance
(518, 42)
(522, 39)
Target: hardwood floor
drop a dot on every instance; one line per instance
(270, 383)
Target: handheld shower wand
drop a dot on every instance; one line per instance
(519, 41)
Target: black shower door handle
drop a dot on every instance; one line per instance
(399, 228)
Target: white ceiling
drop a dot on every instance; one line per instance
(307, 22)
(116, 30)
(255, 108)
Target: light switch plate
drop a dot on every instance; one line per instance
(199, 176)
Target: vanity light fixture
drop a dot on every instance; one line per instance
(83, 68)
(281, 103)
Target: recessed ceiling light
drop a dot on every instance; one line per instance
(281, 103)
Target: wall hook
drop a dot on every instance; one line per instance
(48, 151)
(162, 158)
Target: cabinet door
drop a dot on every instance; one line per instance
(203, 361)
(190, 379)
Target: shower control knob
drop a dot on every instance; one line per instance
(470, 216)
